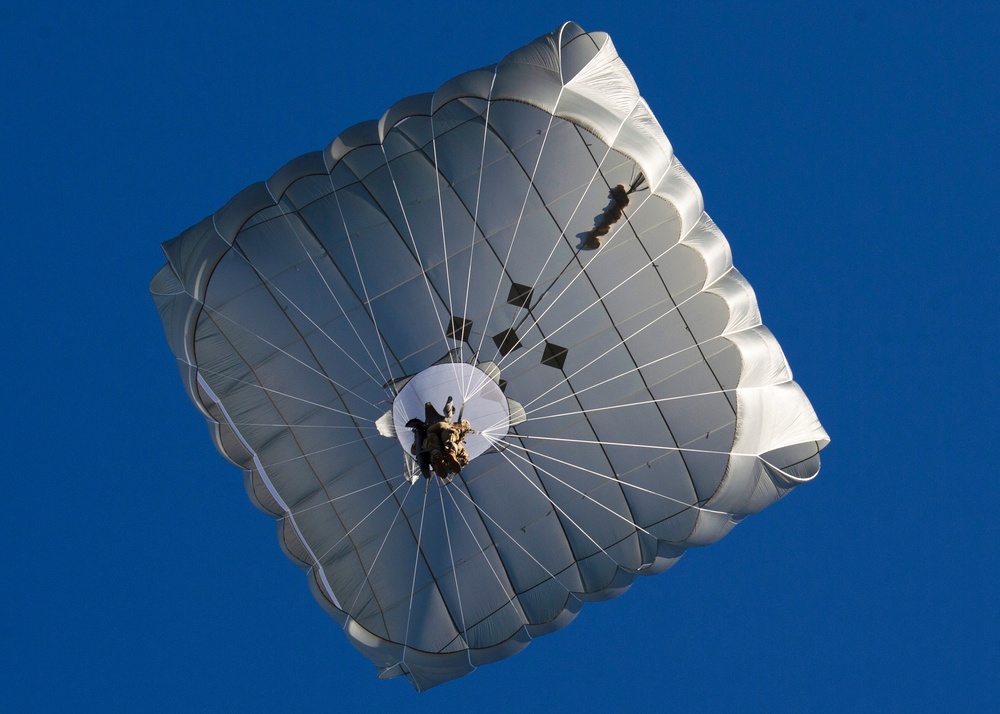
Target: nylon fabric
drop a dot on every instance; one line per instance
(657, 410)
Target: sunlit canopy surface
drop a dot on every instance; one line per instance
(650, 410)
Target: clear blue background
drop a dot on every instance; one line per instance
(848, 150)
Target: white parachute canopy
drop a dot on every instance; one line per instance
(524, 242)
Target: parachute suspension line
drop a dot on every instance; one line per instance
(416, 563)
(473, 390)
(454, 572)
(600, 299)
(385, 539)
(517, 224)
(268, 390)
(317, 452)
(628, 505)
(444, 241)
(270, 344)
(626, 372)
(512, 539)
(416, 251)
(573, 488)
(584, 412)
(633, 486)
(555, 505)
(295, 231)
(361, 278)
(617, 479)
(233, 425)
(444, 247)
(339, 498)
(491, 427)
(365, 518)
(619, 376)
(479, 194)
(306, 426)
(285, 212)
(583, 195)
(204, 370)
(238, 250)
(482, 549)
(354, 329)
(657, 447)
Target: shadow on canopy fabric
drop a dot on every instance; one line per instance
(626, 401)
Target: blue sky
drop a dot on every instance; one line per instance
(847, 150)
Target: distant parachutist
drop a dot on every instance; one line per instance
(612, 214)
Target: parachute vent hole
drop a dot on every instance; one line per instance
(507, 341)
(503, 385)
(520, 295)
(554, 355)
(460, 329)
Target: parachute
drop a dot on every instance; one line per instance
(519, 252)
